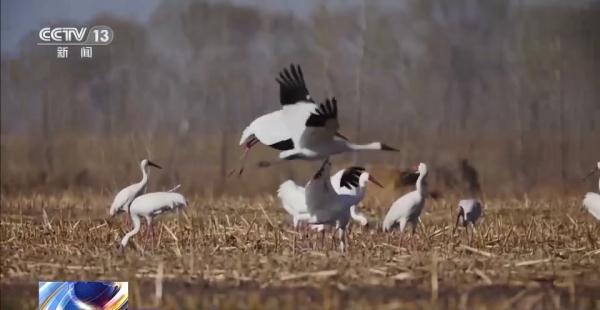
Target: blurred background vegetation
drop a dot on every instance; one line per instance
(512, 86)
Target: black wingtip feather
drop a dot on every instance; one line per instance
(324, 112)
(350, 177)
(292, 87)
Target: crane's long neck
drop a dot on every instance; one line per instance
(144, 180)
(362, 147)
(422, 184)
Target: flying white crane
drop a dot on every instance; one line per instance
(469, 210)
(407, 209)
(350, 182)
(149, 206)
(301, 129)
(592, 200)
(124, 198)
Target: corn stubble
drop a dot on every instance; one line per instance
(234, 252)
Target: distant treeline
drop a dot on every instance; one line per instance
(512, 87)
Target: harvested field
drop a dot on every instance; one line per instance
(234, 252)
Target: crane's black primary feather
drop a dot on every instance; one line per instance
(292, 87)
(324, 112)
(350, 177)
(408, 178)
(283, 145)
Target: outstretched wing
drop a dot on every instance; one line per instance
(270, 130)
(297, 105)
(292, 88)
(321, 125)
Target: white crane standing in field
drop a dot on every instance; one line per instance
(149, 206)
(301, 129)
(326, 206)
(470, 211)
(592, 200)
(407, 209)
(350, 182)
(124, 198)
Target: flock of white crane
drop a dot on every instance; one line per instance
(303, 129)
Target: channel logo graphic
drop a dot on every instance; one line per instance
(96, 35)
(83, 295)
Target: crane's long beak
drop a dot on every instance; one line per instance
(154, 165)
(385, 147)
(374, 181)
(341, 136)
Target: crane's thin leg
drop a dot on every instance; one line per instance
(145, 236)
(242, 159)
(343, 244)
(411, 240)
(472, 238)
(294, 240)
(401, 239)
(152, 232)
(126, 221)
(457, 220)
(149, 232)
(333, 238)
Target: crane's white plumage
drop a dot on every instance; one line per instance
(275, 129)
(293, 200)
(592, 203)
(149, 206)
(301, 129)
(592, 200)
(407, 208)
(269, 129)
(129, 193)
(350, 185)
(317, 136)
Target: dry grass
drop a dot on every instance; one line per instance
(237, 252)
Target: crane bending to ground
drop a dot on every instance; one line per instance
(469, 210)
(149, 206)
